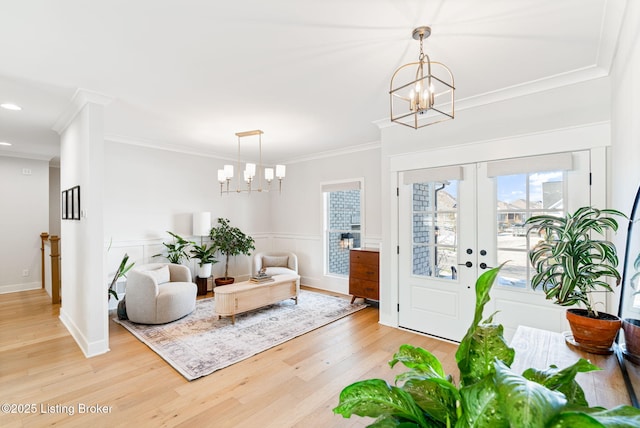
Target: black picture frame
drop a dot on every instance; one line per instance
(75, 203)
(64, 204)
(70, 204)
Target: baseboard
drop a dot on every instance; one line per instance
(89, 349)
(14, 288)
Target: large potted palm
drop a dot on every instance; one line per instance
(571, 264)
(230, 241)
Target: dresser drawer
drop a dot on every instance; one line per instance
(361, 271)
(364, 288)
(365, 257)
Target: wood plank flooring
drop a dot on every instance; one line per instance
(295, 384)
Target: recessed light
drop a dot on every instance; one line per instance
(4, 143)
(10, 106)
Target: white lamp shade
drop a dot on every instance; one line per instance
(280, 171)
(251, 169)
(268, 174)
(201, 224)
(222, 177)
(228, 171)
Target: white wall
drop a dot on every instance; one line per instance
(297, 213)
(625, 78)
(24, 198)
(84, 294)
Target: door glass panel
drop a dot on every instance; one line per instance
(434, 229)
(519, 197)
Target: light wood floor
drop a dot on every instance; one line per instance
(295, 384)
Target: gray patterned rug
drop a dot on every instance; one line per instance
(199, 344)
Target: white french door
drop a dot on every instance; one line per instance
(456, 222)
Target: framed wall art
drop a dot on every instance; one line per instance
(64, 204)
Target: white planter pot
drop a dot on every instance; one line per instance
(204, 271)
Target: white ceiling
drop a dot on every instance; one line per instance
(313, 75)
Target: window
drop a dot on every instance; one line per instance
(434, 231)
(521, 196)
(342, 224)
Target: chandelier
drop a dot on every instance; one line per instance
(252, 183)
(418, 97)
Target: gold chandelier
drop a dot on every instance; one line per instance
(249, 174)
(418, 97)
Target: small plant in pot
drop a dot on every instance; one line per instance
(176, 251)
(570, 265)
(230, 241)
(205, 254)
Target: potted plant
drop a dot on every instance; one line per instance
(489, 393)
(176, 251)
(205, 254)
(230, 241)
(570, 265)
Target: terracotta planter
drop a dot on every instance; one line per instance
(631, 329)
(594, 335)
(223, 281)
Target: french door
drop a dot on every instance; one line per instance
(456, 222)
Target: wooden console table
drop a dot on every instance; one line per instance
(541, 348)
(244, 296)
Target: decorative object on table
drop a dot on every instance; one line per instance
(251, 169)
(200, 344)
(261, 277)
(176, 251)
(230, 241)
(422, 93)
(159, 293)
(489, 393)
(570, 265)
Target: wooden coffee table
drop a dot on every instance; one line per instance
(245, 296)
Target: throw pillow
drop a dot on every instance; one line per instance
(275, 261)
(161, 274)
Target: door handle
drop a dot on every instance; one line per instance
(483, 265)
(467, 264)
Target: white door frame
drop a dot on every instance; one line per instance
(593, 137)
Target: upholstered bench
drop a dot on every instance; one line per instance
(244, 296)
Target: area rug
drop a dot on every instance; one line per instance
(200, 343)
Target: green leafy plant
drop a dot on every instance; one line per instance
(176, 251)
(230, 241)
(122, 270)
(204, 254)
(569, 263)
(489, 395)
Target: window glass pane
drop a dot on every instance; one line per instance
(521, 196)
(434, 229)
(343, 229)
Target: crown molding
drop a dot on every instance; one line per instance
(81, 98)
(338, 152)
(32, 156)
(123, 139)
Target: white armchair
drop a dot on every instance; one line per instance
(276, 263)
(159, 293)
